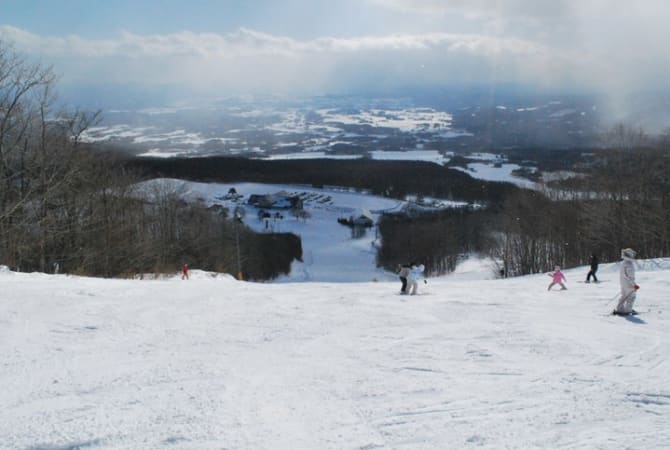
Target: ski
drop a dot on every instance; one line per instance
(632, 313)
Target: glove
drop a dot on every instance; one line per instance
(636, 287)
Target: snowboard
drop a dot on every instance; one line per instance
(632, 313)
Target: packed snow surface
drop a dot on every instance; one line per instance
(213, 363)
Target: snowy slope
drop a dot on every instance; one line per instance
(214, 363)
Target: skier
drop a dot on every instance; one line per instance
(557, 278)
(403, 273)
(414, 275)
(184, 272)
(594, 268)
(627, 280)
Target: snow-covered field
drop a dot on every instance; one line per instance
(214, 363)
(488, 172)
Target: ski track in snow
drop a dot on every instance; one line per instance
(216, 363)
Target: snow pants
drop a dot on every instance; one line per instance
(552, 284)
(626, 301)
(592, 273)
(403, 289)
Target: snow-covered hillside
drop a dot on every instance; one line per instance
(213, 363)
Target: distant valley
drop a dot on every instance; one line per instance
(348, 127)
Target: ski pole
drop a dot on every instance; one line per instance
(612, 299)
(626, 298)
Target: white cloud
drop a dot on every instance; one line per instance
(482, 8)
(247, 60)
(559, 23)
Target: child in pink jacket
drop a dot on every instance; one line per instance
(557, 278)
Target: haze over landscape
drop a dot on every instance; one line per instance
(174, 51)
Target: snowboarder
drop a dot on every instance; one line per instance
(594, 268)
(414, 275)
(184, 272)
(403, 273)
(628, 285)
(557, 278)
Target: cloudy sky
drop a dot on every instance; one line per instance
(316, 46)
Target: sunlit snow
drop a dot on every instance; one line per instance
(213, 363)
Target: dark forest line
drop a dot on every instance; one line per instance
(393, 179)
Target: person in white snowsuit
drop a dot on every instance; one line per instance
(413, 278)
(627, 281)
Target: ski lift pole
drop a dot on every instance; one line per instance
(237, 245)
(239, 213)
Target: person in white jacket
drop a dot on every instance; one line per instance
(414, 274)
(627, 281)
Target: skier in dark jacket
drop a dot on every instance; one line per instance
(403, 273)
(594, 268)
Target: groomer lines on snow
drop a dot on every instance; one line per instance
(215, 362)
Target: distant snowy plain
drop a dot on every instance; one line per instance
(214, 363)
(161, 133)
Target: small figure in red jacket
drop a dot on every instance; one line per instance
(557, 278)
(184, 272)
